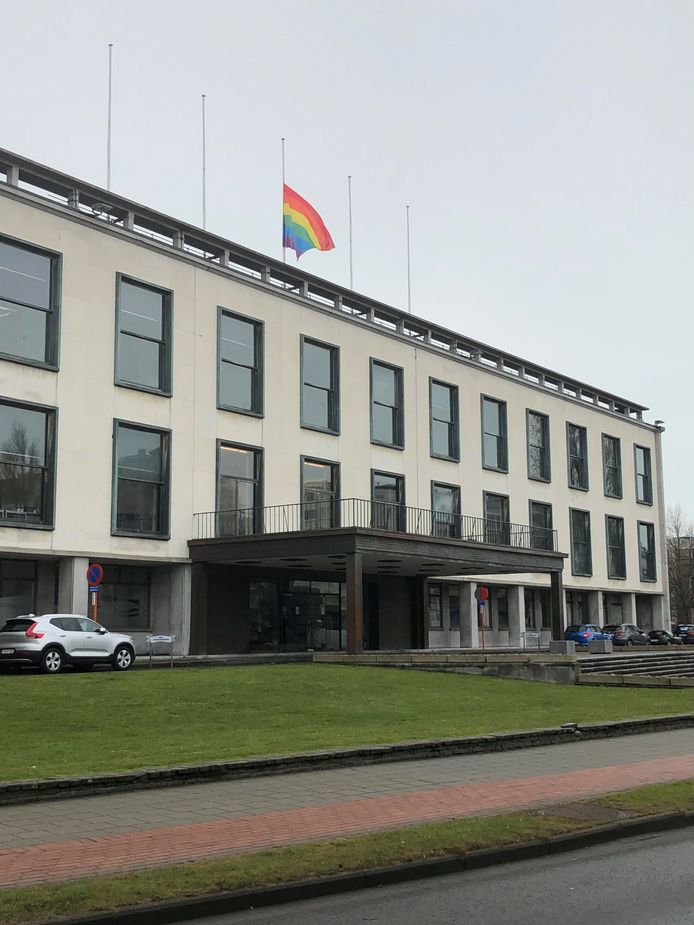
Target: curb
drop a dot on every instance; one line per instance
(29, 791)
(182, 910)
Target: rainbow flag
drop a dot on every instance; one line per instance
(302, 226)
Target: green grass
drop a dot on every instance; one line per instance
(280, 865)
(657, 798)
(84, 724)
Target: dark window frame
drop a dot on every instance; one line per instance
(547, 447)
(258, 371)
(647, 450)
(399, 408)
(49, 491)
(165, 513)
(503, 436)
(457, 522)
(336, 486)
(589, 573)
(651, 526)
(52, 353)
(401, 514)
(259, 461)
(586, 466)
(504, 528)
(333, 393)
(453, 424)
(166, 359)
(550, 536)
(607, 494)
(608, 548)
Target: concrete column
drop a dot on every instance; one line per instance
(516, 615)
(661, 617)
(72, 586)
(596, 610)
(198, 609)
(355, 604)
(557, 605)
(629, 607)
(171, 594)
(469, 637)
(45, 586)
(420, 614)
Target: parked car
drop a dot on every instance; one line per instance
(626, 634)
(664, 638)
(584, 633)
(58, 639)
(686, 633)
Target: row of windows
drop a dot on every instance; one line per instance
(581, 547)
(28, 331)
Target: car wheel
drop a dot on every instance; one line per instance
(122, 658)
(630, 642)
(51, 660)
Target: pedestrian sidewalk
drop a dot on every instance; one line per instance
(66, 839)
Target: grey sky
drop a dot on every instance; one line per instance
(546, 148)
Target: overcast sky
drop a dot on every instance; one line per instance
(546, 148)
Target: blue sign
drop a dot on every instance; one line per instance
(94, 574)
(93, 589)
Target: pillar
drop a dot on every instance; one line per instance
(469, 636)
(516, 615)
(557, 605)
(171, 601)
(45, 586)
(596, 609)
(355, 604)
(198, 609)
(420, 613)
(661, 619)
(72, 586)
(629, 607)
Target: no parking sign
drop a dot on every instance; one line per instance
(95, 574)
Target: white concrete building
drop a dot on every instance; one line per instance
(262, 460)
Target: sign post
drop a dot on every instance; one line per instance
(95, 575)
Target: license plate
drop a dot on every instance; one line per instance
(6, 651)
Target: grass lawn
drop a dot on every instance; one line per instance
(82, 724)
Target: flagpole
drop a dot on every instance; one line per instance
(284, 249)
(409, 281)
(108, 119)
(351, 261)
(204, 166)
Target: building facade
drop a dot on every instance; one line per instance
(262, 460)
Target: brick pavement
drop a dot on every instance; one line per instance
(74, 838)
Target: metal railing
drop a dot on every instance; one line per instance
(377, 515)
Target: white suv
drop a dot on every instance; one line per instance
(58, 639)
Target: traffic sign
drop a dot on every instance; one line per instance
(95, 574)
(482, 594)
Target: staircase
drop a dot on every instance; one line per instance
(665, 663)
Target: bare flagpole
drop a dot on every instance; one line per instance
(284, 249)
(108, 120)
(204, 167)
(409, 281)
(351, 260)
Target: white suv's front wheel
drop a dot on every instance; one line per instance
(122, 658)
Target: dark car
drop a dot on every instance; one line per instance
(685, 631)
(626, 634)
(664, 638)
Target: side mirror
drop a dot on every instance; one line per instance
(102, 630)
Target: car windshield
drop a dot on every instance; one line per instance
(17, 625)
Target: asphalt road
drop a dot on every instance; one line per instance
(641, 881)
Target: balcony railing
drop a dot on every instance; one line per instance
(377, 515)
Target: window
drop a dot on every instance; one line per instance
(612, 466)
(27, 465)
(454, 606)
(642, 463)
(239, 490)
(541, 534)
(18, 587)
(143, 350)
(124, 598)
(387, 501)
(577, 449)
(538, 446)
(319, 494)
(29, 303)
(443, 430)
(445, 505)
(494, 438)
(319, 386)
(142, 481)
(435, 611)
(240, 376)
(581, 554)
(646, 552)
(497, 528)
(387, 423)
(616, 559)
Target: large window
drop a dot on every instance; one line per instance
(494, 434)
(541, 535)
(320, 394)
(581, 554)
(538, 447)
(239, 489)
(443, 428)
(612, 466)
(27, 465)
(647, 568)
(240, 377)
(124, 598)
(18, 586)
(319, 494)
(29, 303)
(141, 493)
(387, 424)
(445, 506)
(644, 485)
(435, 608)
(577, 451)
(143, 354)
(616, 557)
(497, 528)
(387, 501)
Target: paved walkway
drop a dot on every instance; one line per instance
(64, 839)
